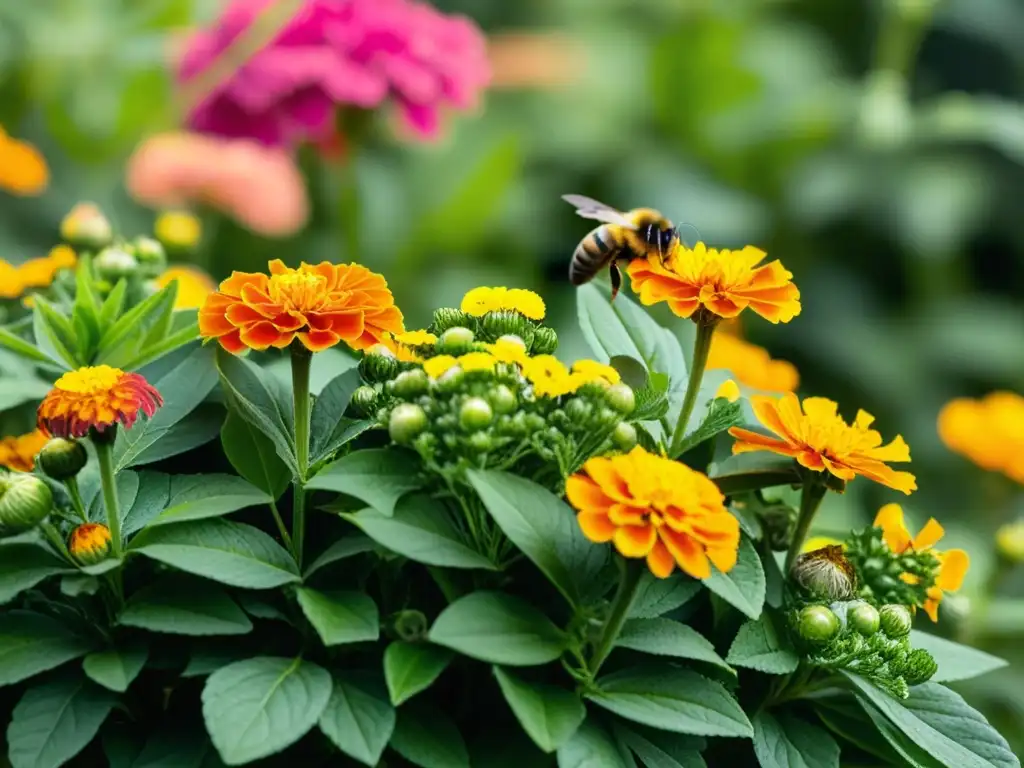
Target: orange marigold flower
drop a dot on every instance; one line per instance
(988, 432)
(655, 508)
(40, 272)
(23, 170)
(320, 304)
(953, 563)
(751, 364)
(194, 285)
(96, 397)
(89, 543)
(723, 282)
(19, 453)
(10, 281)
(819, 438)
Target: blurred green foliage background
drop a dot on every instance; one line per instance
(876, 148)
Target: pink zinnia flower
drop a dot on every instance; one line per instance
(335, 53)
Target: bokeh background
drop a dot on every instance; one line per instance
(876, 148)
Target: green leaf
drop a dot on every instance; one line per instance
(150, 499)
(27, 349)
(113, 305)
(376, 476)
(656, 597)
(340, 617)
(85, 314)
(184, 388)
(753, 471)
(422, 529)
(632, 372)
(115, 668)
(198, 428)
(183, 606)
(358, 719)
(228, 552)
(253, 455)
(758, 646)
(426, 737)
(744, 586)
(671, 699)
(327, 421)
(411, 668)
(545, 529)
(549, 715)
(206, 660)
(175, 746)
(31, 643)
(956, 661)
(55, 720)
(591, 747)
(660, 749)
(197, 497)
(77, 584)
(345, 547)
(942, 724)
(22, 566)
(664, 637)
(498, 628)
(165, 345)
(883, 738)
(127, 485)
(720, 416)
(260, 706)
(122, 339)
(252, 395)
(54, 333)
(785, 741)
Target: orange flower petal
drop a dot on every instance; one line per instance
(634, 540)
(955, 563)
(660, 561)
(929, 535)
(596, 527)
(894, 530)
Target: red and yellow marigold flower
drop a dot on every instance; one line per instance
(988, 432)
(751, 364)
(652, 507)
(480, 301)
(23, 171)
(821, 440)
(89, 543)
(722, 282)
(194, 285)
(318, 304)
(96, 398)
(953, 563)
(19, 453)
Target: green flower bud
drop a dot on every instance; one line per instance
(364, 400)
(511, 338)
(114, 263)
(920, 667)
(62, 459)
(579, 410)
(534, 422)
(502, 399)
(606, 417)
(410, 626)
(480, 442)
(451, 380)
(817, 624)
(545, 341)
(407, 421)
(517, 425)
(409, 384)
(150, 255)
(505, 321)
(448, 317)
(378, 366)
(86, 228)
(895, 620)
(25, 501)
(89, 543)
(624, 436)
(425, 444)
(621, 398)
(475, 414)
(863, 618)
(455, 341)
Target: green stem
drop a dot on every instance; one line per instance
(701, 348)
(281, 528)
(302, 362)
(76, 498)
(104, 452)
(57, 542)
(629, 581)
(810, 499)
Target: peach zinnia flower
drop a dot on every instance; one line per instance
(652, 507)
(953, 563)
(723, 282)
(820, 440)
(751, 364)
(19, 453)
(320, 304)
(989, 431)
(96, 397)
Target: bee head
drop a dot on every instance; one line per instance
(660, 238)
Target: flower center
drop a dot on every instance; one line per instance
(90, 380)
(298, 290)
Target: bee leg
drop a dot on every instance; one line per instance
(616, 279)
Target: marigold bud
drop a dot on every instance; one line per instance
(825, 574)
(606, 417)
(410, 626)
(449, 317)
(817, 624)
(455, 341)
(378, 365)
(502, 399)
(150, 255)
(475, 414)
(86, 228)
(451, 380)
(624, 436)
(534, 422)
(407, 421)
(895, 620)
(920, 667)
(480, 442)
(114, 263)
(621, 398)
(545, 341)
(503, 322)
(1010, 541)
(409, 384)
(89, 543)
(25, 501)
(178, 230)
(579, 410)
(863, 618)
(364, 400)
(62, 459)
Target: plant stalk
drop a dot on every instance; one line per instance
(629, 581)
(810, 499)
(104, 452)
(302, 362)
(701, 349)
(71, 484)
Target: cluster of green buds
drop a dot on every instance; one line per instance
(25, 502)
(887, 577)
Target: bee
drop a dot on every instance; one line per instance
(634, 234)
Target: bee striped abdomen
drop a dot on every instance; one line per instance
(593, 254)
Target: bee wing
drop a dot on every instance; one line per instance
(589, 208)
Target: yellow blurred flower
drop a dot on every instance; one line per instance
(751, 364)
(820, 542)
(477, 361)
(591, 370)
(1010, 541)
(34, 273)
(509, 349)
(438, 366)
(23, 171)
(194, 285)
(728, 389)
(10, 281)
(19, 453)
(550, 377)
(178, 229)
(480, 301)
(988, 432)
(416, 338)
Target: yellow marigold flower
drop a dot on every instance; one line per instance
(988, 432)
(389, 346)
(591, 370)
(751, 364)
(318, 304)
(1010, 541)
(953, 563)
(89, 543)
(550, 377)
(729, 390)
(96, 397)
(509, 350)
(476, 361)
(10, 281)
(416, 338)
(820, 440)
(19, 453)
(820, 542)
(723, 282)
(480, 301)
(652, 507)
(23, 170)
(194, 285)
(178, 229)
(437, 366)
